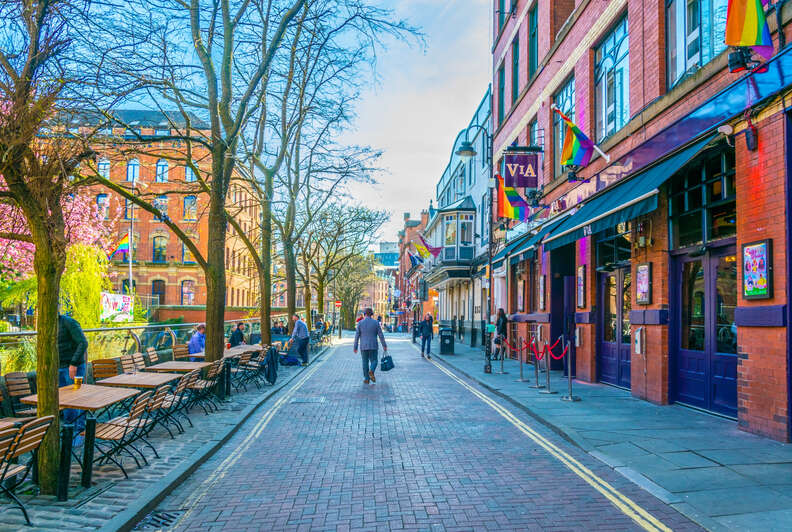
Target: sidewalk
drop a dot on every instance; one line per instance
(702, 465)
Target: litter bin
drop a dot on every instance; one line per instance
(446, 341)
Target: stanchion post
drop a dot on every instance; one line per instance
(538, 385)
(547, 357)
(521, 354)
(569, 396)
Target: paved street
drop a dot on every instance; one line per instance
(420, 449)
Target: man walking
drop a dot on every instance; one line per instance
(300, 335)
(366, 333)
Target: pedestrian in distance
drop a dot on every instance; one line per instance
(501, 326)
(197, 343)
(427, 333)
(238, 336)
(367, 332)
(300, 338)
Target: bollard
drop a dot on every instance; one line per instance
(547, 357)
(488, 354)
(521, 345)
(538, 385)
(569, 396)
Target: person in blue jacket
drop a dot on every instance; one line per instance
(197, 343)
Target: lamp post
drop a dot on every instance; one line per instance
(466, 151)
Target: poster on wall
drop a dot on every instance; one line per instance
(116, 307)
(520, 296)
(643, 283)
(581, 286)
(757, 274)
(541, 292)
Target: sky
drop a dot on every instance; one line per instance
(425, 94)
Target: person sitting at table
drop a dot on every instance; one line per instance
(238, 336)
(72, 346)
(197, 342)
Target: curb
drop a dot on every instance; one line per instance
(153, 495)
(633, 476)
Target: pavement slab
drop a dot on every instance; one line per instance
(422, 449)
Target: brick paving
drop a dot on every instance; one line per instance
(414, 451)
(89, 509)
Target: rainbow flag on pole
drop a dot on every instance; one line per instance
(122, 246)
(578, 148)
(510, 203)
(746, 25)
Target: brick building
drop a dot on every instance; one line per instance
(407, 304)
(668, 262)
(164, 272)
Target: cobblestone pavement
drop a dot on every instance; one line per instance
(89, 509)
(421, 449)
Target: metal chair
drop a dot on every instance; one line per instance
(118, 435)
(18, 385)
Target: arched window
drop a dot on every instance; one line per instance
(158, 290)
(103, 167)
(162, 171)
(102, 205)
(161, 204)
(187, 292)
(189, 175)
(159, 249)
(190, 208)
(133, 170)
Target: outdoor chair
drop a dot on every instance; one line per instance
(18, 385)
(241, 373)
(118, 435)
(128, 364)
(15, 442)
(255, 368)
(201, 390)
(104, 368)
(152, 356)
(177, 402)
(156, 411)
(139, 361)
(180, 351)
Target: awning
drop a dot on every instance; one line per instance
(497, 260)
(634, 197)
(526, 249)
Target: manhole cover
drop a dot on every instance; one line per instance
(159, 519)
(319, 399)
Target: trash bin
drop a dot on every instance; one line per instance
(446, 341)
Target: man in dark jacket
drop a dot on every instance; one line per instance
(427, 332)
(238, 336)
(367, 332)
(72, 346)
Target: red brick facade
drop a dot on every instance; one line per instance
(567, 50)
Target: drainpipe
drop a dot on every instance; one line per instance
(788, 265)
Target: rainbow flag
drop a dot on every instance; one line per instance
(435, 251)
(510, 203)
(421, 249)
(578, 148)
(122, 246)
(746, 25)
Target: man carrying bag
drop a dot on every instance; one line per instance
(367, 332)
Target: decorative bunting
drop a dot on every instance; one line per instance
(746, 25)
(578, 148)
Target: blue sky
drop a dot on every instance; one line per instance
(424, 97)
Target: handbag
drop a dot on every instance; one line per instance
(386, 364)
(498, 340)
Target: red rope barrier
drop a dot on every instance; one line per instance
(562, 354)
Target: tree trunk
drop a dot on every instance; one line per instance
(291, 283)
(215, 280)
(49, 262)
(265, 275)
(307, 293)
(320, 300)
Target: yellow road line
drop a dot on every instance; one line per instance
(218, 474)
(626, 505)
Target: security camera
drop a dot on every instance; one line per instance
(726, 129)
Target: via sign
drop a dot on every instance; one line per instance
(521, 170)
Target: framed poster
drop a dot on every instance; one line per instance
(757, 265)
(541, 292)
(643, 283)
(581, 286)
(521, 295)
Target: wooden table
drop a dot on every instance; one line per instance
(7, 424)
(178, 366)
(140, 380)
(88, 398)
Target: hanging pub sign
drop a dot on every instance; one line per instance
(757, 274)
(521, 170)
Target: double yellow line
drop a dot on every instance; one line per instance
(627, 506)
(222, 470)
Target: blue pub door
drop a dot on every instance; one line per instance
(613, 351)
(705, 333)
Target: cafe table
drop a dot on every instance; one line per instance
(177, 366)
(89, 398)
(142, 379)
(7, 424)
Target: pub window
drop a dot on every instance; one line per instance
(614, 246)
(501, 93)
(694, 34)
(612, 81)
(565, 101)
(515, 73)
(702, 201)
(533, 42)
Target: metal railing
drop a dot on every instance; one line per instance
(17, 349)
